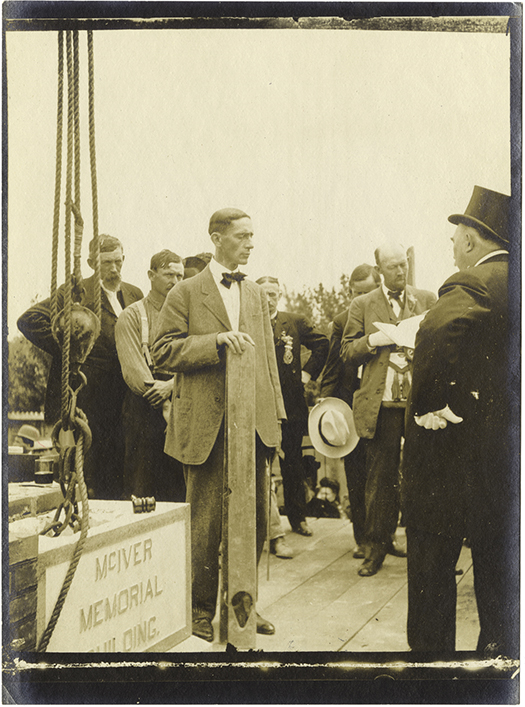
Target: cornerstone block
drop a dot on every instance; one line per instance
(131, 591)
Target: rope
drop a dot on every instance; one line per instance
(76, 126)
(84, 527)
(58, 176)
(93, 164)
(72, 418)
(66, 343)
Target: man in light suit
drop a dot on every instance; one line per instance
(460, 469)
(215, 309)
(101, 399)
(340, 380)
(379, 404)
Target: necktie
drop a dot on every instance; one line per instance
(229, 277)
(395, 294)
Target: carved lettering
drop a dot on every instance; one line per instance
(139, 635)
(101, 572)
(110, 610)
(120, 560)
(85, 625)
(96, 606)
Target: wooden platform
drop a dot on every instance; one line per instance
(318, 602)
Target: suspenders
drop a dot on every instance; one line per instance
(145, 333)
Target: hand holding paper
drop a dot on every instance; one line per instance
(379, 338)
(402, 334)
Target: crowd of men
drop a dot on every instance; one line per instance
(155, 400)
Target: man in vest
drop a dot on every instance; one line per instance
(148, 471)
(101, 399)
(379, 404)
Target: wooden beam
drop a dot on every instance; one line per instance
(239, 568)
(411, 258)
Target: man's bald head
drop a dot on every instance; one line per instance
(392, 264)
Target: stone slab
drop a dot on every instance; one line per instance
(30, 499)
(131, 591)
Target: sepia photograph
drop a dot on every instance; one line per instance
(261, 401)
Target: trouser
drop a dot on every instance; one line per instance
(292, 471)
(382, 482)
(355, 472)
(204, 493)
(102, 400)
(276, 526)
(431, 566)
(148, 471)
(432, 559)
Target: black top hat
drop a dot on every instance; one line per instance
(489, 210)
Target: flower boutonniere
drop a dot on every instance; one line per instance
(288, 345)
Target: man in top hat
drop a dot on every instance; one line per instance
(379, 404)
(102, 397)
(457, 468)
(215, 309)
(290, 332)
(340, 380)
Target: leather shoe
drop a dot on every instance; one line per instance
(202, 628)
(395, 550)
(369, 568)
(279, 548)
(303, 529)
(359, 552)
(264, 627)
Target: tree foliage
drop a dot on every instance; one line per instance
(28, 370)
(319, 305)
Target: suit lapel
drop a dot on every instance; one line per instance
(382, 308)
(128, 295)
(280, 325)
(410, 303)
(213, 300)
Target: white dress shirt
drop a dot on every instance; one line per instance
(230, 296)
(397, 358)
(113, 299)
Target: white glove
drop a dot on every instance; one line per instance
(437, 420)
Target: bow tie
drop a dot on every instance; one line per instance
(229, 277)
(395, 295)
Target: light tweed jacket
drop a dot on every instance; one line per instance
(190, 319)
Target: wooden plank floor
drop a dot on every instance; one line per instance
(318, 602)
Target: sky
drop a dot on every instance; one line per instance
(331, 140)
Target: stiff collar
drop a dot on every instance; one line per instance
(491, 255)
(110, 292)
(217, 269)
(386, 290)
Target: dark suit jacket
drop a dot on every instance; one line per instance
(457, 481)
(364, 311)
(189, 321)
(302, 333)
(339, 379)
(35, 324)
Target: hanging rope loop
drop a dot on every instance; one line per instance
(75, 328)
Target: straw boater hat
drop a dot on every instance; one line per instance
(331, 428)
(488, 210)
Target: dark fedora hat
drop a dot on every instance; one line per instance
(488, 210)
